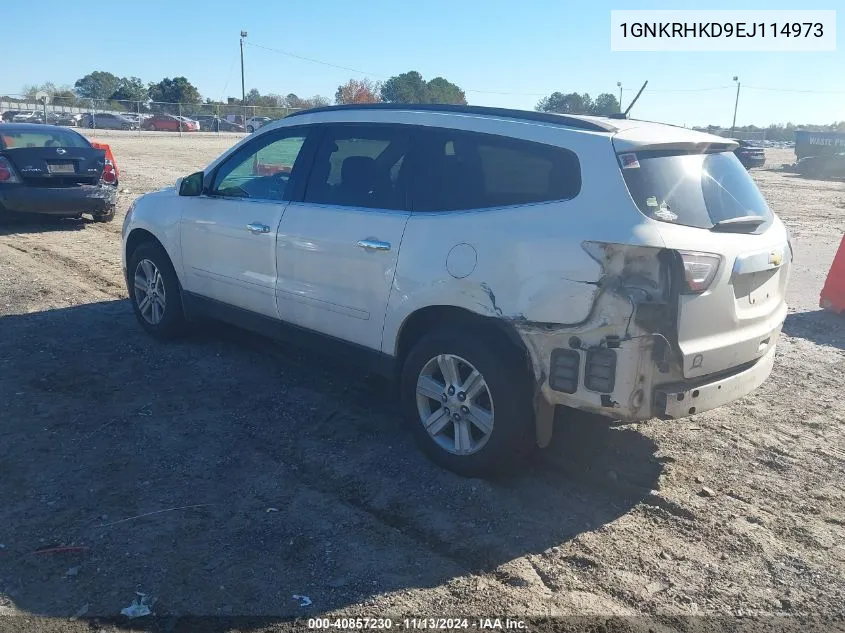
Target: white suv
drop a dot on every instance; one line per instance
(253, 123)
(496, 262)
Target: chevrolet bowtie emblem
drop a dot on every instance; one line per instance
(775, 258)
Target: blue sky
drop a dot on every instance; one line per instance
(525, 49)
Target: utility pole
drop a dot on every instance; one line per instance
(243, 84)
(619, 85)
(736, 105)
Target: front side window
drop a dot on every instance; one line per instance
(360, 166)
(261, 171)
(459, 170)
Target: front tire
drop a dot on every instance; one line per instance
(250, 129)
(155, 292)
(467, 401)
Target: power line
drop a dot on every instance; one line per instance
(228, 77)
(379, 76)
(315, 61)
(538, 94)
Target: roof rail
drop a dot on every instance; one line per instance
(525, 115)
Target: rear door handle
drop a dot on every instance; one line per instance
(257, 229)
(374, 245)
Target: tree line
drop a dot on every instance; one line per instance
(407, 87)
(103, 86)
(775, 131)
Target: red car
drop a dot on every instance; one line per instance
(170, 123)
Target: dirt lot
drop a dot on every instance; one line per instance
(302, 481)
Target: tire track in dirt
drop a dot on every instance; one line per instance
(50, 256)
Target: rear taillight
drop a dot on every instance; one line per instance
(699, 270)
(109, 176)
(7, 172)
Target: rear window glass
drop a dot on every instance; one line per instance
(466, 170)
(52, 138)
(697, 190)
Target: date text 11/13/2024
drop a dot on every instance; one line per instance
(476, 624)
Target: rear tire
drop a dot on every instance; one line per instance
(105, 216)
(250, 129)
(494, 427)
(155, 291)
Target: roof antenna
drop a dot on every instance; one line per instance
(624, 115)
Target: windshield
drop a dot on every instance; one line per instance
(53, 138)
(697, 190)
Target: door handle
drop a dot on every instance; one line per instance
(256, 228)
(374, 245)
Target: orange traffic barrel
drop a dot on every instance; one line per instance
(833, 293)
(109, 155)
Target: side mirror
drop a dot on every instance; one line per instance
(191, 185)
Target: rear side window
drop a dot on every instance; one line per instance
(360, 166)
(459, 170)
(697, 190)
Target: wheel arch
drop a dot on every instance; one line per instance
(417, 324)
(142, 235)
(139, 236)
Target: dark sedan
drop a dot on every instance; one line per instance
(216, 124)
(52, 170)
(750, 155)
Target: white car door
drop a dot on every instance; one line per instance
(337, 249)
(229, 233)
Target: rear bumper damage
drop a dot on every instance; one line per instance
(623, 361)
(636, 378)
(58, 200)
(679, 400)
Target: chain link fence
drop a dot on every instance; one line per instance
(140, 117)
(745, 135)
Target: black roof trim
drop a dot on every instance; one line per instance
(525, 115)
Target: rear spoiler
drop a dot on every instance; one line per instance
(679, 147)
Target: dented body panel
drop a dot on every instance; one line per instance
(594, 278)
(595, 289)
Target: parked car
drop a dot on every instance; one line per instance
(256, 122)
(46, 169)
(189, 124)
(37, 116)
(8, 115)
(28, 116)
(71, 119)
(750, 155)
(216, 124)
(832, 166)
(169, 122)
(520, 262)
(108, 121)
(202, 118)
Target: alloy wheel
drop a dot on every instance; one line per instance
(149, 292)
(454, 404)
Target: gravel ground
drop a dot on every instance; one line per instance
(293, 477)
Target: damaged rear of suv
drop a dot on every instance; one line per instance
(652, 285)
(498, 263)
